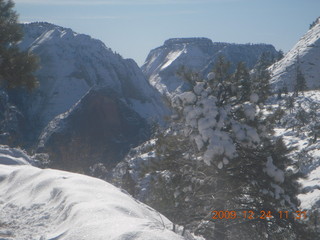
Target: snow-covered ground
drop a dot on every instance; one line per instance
(37, 204)
(311, 185)
(300, 138)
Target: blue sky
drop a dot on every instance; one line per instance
(134, 27)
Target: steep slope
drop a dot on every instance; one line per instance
(99, 128)
(196, 54)
(305, 55)
(52, 204)
(71, 64)
(299, 126)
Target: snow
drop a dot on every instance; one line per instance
(72, 64)
(306, 52)
(305, 150)
(311, 196)
(249, 111)
(211, 76)
(277, 190)
(52, 204)
(225, 161)
(172, 56)
(273, 171)
(196, 55)
(188, 97)
(206, 122)
(199, 142)
(12, 156)
(198, 88)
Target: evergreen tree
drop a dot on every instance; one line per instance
(16, 67)
(280, 55)
(301, 84)
(290, 100)
(314, 23)
(222, 156)
(242, 82)
(261, 77)
(220, 80)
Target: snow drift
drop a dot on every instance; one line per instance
(52, 204)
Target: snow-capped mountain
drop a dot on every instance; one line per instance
(73, 69)
(195, 54)
(305, 55)
(71, 64)
(52, 204)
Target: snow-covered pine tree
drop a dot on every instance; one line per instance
(248, 167)
(16, 67)
(220, 154)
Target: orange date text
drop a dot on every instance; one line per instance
(250, 214)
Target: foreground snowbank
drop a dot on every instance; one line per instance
(14, 156)
(52, 204)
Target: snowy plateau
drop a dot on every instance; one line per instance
(195, 54)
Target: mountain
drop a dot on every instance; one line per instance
(52, 204)
(196, 54)
(70, 65)
(305, 55)
(73, 69)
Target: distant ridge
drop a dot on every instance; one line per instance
(196, 54)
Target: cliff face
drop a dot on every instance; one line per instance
(196, 54)
(305, 55)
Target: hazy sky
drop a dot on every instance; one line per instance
(134, 27)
